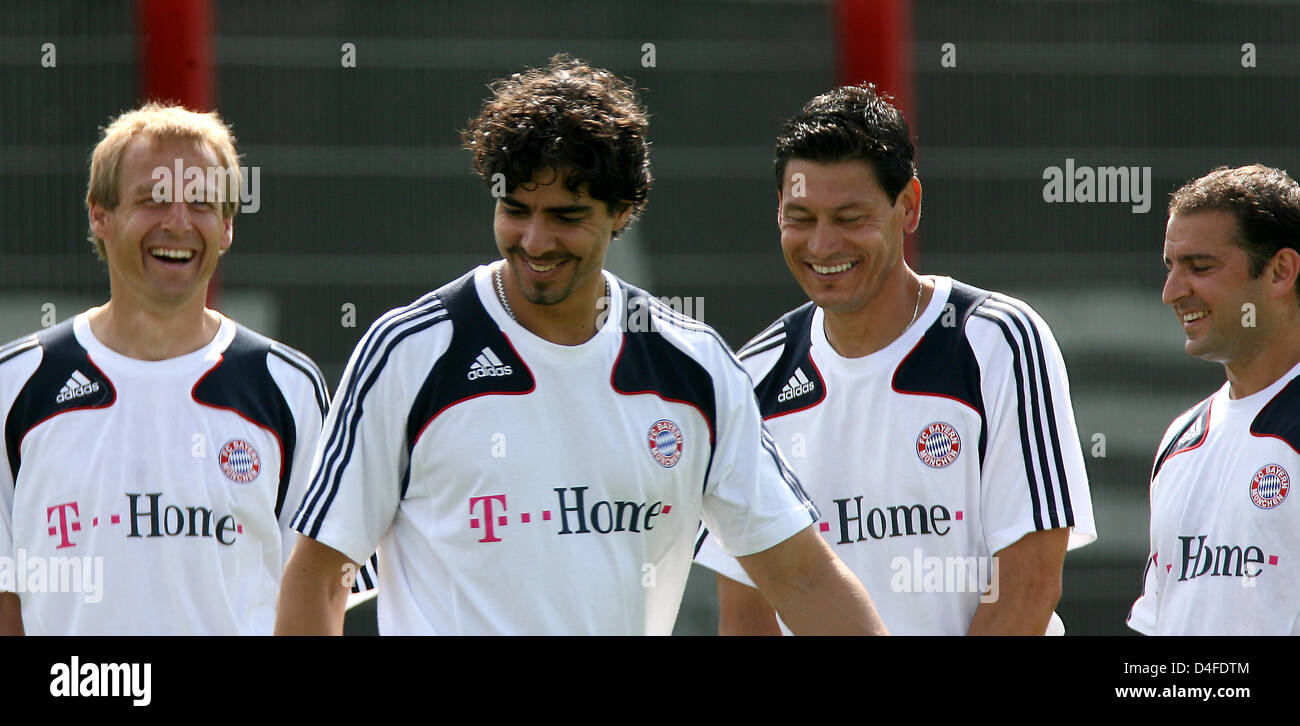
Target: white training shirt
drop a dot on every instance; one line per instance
(929, 455)
(1225, 532)
(516, 486)
(148, 494)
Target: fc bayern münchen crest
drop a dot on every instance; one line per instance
(239, 461)
(938, 445)
(665, 442)
(1269, 487)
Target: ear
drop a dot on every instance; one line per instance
(1283, 270)
(780, 202)
(910, 197)
(99, 221)
(227, 234)
(620, 218)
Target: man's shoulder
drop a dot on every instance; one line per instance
(998, 309)
(1280, 417)
(1004, 328)
(792, 330)
(424, 324)
(779, 363)
(53, 347)
(1186, 432)
(251, 357)
(29, 344)
(644, 313)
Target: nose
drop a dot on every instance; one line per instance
(822, 241)
(177, 218)
(537, 238)
(1176, 287)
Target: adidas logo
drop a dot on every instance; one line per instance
(76, 387)
(1191, 435)
(796, 387)
(487, 364)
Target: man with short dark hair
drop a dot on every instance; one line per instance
(1224, 536)
(531, 456)
(151, 443)
(929, 420)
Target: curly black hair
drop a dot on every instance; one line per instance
(565, 116)
(850, 123)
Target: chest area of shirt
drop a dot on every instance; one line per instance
(582, 448)
(867, 439)
(1225, 508)
(886, 470)
(147, 469)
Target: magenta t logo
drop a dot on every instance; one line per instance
(61, 529)
(488, 521)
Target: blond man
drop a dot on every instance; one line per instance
(154, 448)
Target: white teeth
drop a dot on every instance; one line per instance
(1189, 317)
(171, 254)
(832, 270)
(541, 268)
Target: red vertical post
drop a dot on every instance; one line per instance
(176, 60)
(874, 44)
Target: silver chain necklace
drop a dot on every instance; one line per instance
(916, 309)
(501, 292)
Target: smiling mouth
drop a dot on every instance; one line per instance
(542, 266)
(172, 256)
(1192, 317)
(831, 269)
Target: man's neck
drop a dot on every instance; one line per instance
(1264, 367)
(152, 335)
(864, 331)
(569, 322)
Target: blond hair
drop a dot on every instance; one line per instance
(159, 121)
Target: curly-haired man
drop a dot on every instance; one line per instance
(529, 454)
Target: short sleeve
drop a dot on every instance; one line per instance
(361, 459)
(18, 361)
(1033, 474)
(712, 557)
(752, 499)
(303, 387)
(1142, 617)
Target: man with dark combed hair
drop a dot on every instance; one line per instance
(531, 457)
(929, 420)
(1224, 537)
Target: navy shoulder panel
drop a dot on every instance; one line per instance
(480, 361)
(1191, 435)
(648, 363)
(943, 364)
(242, 382)
(1280, 417)
(66, 380)
(793, 383)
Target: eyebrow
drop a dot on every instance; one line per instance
(1192, 258)
(797, 207)
(564, 209)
